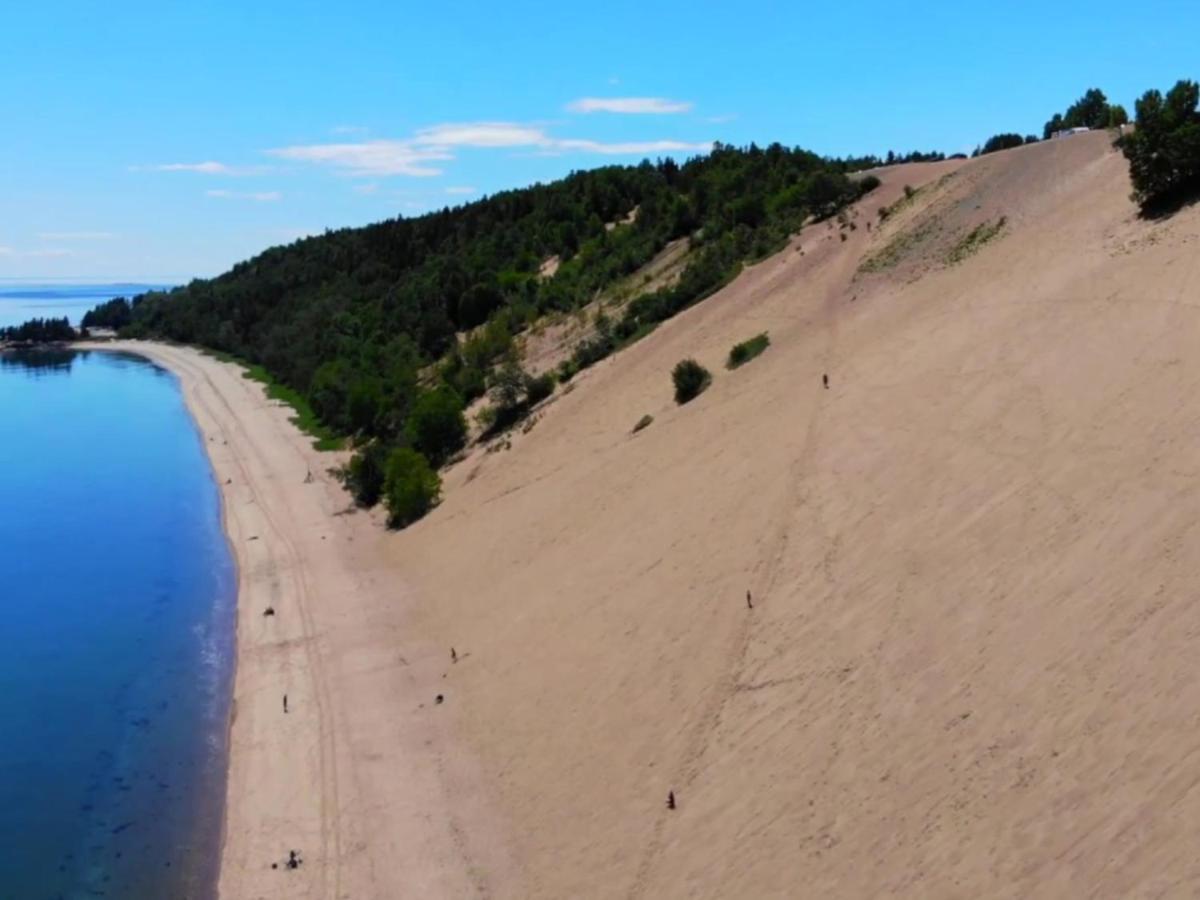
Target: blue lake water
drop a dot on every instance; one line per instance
(117, 593)
(24, 300)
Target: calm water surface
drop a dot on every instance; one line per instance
(117, 595)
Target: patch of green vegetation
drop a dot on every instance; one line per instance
(897, 247)
(691, 380)
(886, 212)
(742, 353)
(410, 487)
(325, 439)
(643, 422)
(514, 393)
(974, 240)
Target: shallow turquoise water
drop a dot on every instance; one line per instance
(117, 598)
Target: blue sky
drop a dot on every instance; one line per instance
(165, 140)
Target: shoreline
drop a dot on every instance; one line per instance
(359, 775)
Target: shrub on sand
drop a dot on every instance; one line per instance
(690, 380)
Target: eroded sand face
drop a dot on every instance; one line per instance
(969, 670)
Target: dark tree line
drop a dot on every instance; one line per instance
(115, 314)
(1164, 148)
(353, 319)
(39, 331)
(892, 158)
(1092, 110)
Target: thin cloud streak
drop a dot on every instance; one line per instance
(257, 196)
(637, 106)
(370, 158)
(208, 167)
(438, 143)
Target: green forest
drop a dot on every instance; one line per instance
(362, 324)
(39, 331)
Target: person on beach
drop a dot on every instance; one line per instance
(749, 602)
(825, 381)
(670, 799)
(453, 655)
(285, 704)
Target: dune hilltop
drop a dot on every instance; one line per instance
(968, 667)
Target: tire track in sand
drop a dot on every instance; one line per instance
(330, 862)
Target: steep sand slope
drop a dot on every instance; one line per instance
(969, 670)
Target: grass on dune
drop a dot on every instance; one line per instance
(305, 419)
(742, 353)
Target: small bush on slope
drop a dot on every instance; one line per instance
(363, 476)
(690, 380)
(436, 426)
(411, 487)
(742, 353)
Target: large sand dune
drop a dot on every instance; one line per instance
(969, 670)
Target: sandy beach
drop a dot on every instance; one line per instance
(359, 776)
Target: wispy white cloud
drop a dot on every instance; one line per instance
(438, 143)
(461, 189)
(208, 167)
(480, 134)
(76, 236)
(211, 167)
(369, 158)
(371, 187)
(257, 196)
(629, 148)
(629, 105)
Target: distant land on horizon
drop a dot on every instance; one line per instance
(22, 299)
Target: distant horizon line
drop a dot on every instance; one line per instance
(84, 281)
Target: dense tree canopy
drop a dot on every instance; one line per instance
(1092, 110)
(410, 488)
(1001, 142)
(352, 319)
(1164, 149)
(39, 331)
(115, 314)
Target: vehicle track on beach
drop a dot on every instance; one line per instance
(289, 561)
